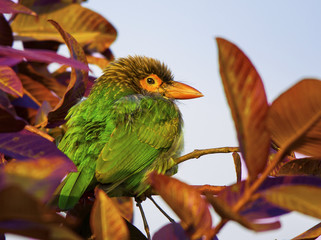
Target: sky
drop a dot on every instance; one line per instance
(281, 38)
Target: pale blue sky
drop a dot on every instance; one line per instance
(282, 38)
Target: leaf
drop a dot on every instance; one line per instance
(40, 177)
(9, 82)
(238, 166)
(48, 81)
(247, 100)
(125, 206)
(301, 198)
(77, 85)
(100, 62)
(226, 212)
(7, 6)
(105, 219)
(134, 232)
(260, 208)
(6, 37)
(25, 145)
(9, 121)
(304, 166)
(15, 55)
(88, 27)
(186, 202)
(310, 234)
(8, 61)
(38, 91)
(294, 118)
(22, 214)
(173, 231)
(287, 158)
(43, 113)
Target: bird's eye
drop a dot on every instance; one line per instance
(150, 81)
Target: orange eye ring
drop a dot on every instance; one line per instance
(151, 83)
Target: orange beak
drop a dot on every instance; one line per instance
(179, 90)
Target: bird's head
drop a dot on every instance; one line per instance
(149, 76)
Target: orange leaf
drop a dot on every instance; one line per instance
(88, 27)
(294, 118)
(105, 219)
(301, 198)
(303, 166)
(312, 233)
(38, 91)
(246, 97)
(186, 202)
(125, 206)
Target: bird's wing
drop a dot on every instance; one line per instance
(145, 127)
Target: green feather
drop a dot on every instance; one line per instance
(121, 132)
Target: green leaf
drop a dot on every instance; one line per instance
(301, 198)
(246, 97)
(294, 118)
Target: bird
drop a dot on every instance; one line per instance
(128, 126)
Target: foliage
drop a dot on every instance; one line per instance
(34, 101)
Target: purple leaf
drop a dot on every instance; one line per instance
(9, 82)
(9, 121)
(6, 37)
(9, 61)
(41, 56)
(7, 6)
(25, 102)
(173, 231)
(260, 208)
(27, 145)
(39, 177)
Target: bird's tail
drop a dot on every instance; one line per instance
(72, 188)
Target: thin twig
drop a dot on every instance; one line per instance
(200, 152)
(146, 227)
(39, 132)
(161, 210)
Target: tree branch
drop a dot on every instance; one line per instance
(198, 153)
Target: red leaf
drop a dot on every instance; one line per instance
(77, 84)
(186, 202)
(246, 97)
(7, 6)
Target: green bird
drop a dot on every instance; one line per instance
(127, 127)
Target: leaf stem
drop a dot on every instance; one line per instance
(39, 132)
